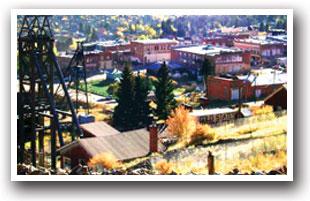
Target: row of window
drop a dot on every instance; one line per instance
(218, 43)
(157, 47)
(92, 60)
(189, 56)
(272, 52)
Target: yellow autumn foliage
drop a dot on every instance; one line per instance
(164, 167)
(105, 160)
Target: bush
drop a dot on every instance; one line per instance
(103, 160)
(187, 128)
(164, 167)
(202, 133)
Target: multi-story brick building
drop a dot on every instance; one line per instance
(260, 83)
(224, 59)
(217, 41)
(262, 51)
(152, 50)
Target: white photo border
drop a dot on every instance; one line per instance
(16, 12)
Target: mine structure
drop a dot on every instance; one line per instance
(41, 111)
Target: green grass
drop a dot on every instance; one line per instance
(178, 91)
(98, 87)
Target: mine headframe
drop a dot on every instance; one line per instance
(38, 71)
(76, 72)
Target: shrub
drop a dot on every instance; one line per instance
(187, 128)
(164, 167)
(202, 133)
(180, 123)
(103, 160)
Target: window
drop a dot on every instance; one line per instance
(225, 92)
(258, 93)
(67, 162)
(234, 94)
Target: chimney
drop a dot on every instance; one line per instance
(153, 137)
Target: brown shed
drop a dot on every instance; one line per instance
(278, 99)
(124, 146)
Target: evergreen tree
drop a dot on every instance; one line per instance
(261, 27)
(207, 69)
(94, 35)
(164, 97)
(267, 27)
(124, 111)
(141, 107)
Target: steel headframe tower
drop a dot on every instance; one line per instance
(76, 71)
(38, 71)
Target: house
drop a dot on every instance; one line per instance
(152, 50)
(262, 50)
(259, 83)
(224, 59)
(278, 99)
(102, 138)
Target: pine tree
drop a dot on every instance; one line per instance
(207, 69)
(141, 107)
(124, 111)
(164, 97)
(262, 27)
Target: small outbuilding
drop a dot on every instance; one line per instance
(124, 146)
(278, 99)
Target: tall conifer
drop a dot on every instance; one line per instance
(164, 97)
(124, 111)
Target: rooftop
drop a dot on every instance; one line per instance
(214, 111)
(265, 77)
(109, 43)
(258, 41)
(155, 41)
(207, 50)
(123, 146)
(99, 129)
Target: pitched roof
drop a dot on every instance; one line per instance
(99, 129)
(123, 146)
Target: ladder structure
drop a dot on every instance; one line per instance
(39, 113)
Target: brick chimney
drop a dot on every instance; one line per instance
(153, 137)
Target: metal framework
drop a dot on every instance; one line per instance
(76, 71)
(38, 112)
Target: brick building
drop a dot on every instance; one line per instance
(217, 41)
(262, 51)
(152, 50)
(260, 83)
(224, 59)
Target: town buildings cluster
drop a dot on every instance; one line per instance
(242, 58)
